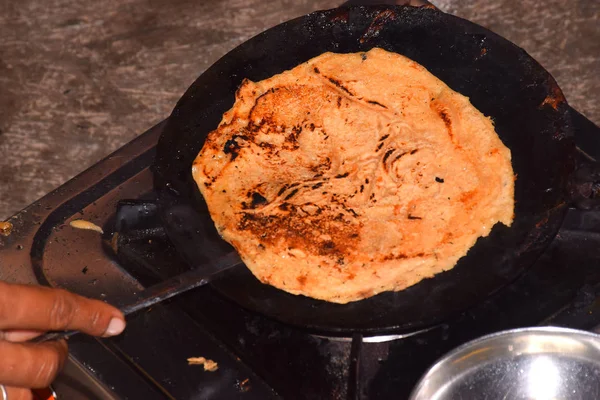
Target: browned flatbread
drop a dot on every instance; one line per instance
(353, 174)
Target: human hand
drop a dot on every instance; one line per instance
(27, 312)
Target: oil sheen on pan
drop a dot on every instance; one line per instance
(353, 174)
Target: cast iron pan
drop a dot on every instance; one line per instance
(530, 115)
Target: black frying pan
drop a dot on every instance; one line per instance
(529, 111)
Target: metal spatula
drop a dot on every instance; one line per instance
(165, 290)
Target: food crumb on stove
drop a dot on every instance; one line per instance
(243, 386)
(83, 224)
(5, 228)
(209, 365)
(114, 242)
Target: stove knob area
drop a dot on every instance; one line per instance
(44, 394)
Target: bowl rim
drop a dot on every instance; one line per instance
(516, 332)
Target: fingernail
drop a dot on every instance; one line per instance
(115, 327)
(20, 336)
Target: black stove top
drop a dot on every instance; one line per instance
(259, 358)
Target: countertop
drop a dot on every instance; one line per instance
(79, 79)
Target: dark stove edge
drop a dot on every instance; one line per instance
(123, 380)
(587, 135)
(79, 201)
(16, 262)
(76, 383)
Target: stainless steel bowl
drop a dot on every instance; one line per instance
(530, 363)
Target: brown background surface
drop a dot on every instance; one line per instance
(78, 79)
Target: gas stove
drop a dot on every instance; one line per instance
(258, 357)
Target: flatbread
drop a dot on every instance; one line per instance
(353, 174)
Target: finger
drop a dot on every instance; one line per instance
(31, 307)
(13, 393)
(31, 365)
(19, 335)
